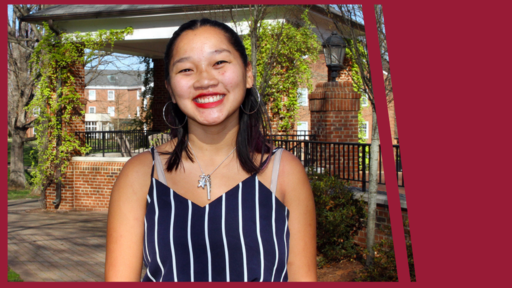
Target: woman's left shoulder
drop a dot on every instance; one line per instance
(292, 176)
(290, 163)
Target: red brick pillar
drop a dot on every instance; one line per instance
(160, 95)
(77, 125)
(334, 107)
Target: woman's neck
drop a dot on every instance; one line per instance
(213, 139)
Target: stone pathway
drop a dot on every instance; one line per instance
(55, 246)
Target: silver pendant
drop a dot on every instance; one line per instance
(204, 180)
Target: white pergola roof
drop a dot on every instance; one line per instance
(154, 24)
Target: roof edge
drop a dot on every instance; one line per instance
(131, 12)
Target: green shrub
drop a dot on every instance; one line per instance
(339, 217)
(13, 276)
(384, 266)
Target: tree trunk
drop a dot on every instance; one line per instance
(17, 178)
(254, 49)
(372, 192)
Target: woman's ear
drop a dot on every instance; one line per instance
(250, 78)
(168, 87)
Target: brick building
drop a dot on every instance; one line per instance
(113, 99)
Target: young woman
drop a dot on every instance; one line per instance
(252, 216)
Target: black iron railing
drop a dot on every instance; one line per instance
(349, 161)
(296, 136)
(134, 141)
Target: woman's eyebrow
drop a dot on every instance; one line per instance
(218, 51)
(184, 59)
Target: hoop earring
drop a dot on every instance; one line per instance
(186, 117)
(259, 100)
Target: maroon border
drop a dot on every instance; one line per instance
(381, 106)
(450, 65)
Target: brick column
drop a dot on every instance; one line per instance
(77, 125)
(160, 95)
(334, 107)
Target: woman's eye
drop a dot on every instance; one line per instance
(184, 70)
(220, 62)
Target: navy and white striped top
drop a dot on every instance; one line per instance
(241, 236)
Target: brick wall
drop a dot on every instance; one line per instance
(382, 226)
(87, 184)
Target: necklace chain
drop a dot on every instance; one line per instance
(192, 149)
(204, 179)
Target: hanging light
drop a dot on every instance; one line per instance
(334, 51)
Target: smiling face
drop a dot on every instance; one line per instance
(208, 79)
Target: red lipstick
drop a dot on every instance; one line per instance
(210, 104)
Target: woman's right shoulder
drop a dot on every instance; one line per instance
(140, 163)
(136, 173)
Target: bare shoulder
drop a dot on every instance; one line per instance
(293, 180)
(291, 167)
(136, 173)
(139, 164)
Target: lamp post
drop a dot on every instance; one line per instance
(334, 51)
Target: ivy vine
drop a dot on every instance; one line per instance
(357, 82)
(285, 53)
(58, 100)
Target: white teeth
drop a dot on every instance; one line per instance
(209, 99)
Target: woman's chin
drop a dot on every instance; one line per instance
(215, 120)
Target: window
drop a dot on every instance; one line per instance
(112, 78)
(92, 110)
(34, 131)
(90, 126)
(302, 96)
(111, 111)
(363, 129)
(111, 95)
(138, 94)
(145, 103)
(364, 100)
(138, 111)
(92, 94)
(302, 129)
(36, 111)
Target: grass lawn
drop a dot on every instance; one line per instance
(22, 193)
(13, 194)
(12, 276)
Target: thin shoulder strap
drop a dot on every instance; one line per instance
(152, 167)
(159, 167)
(275, 170)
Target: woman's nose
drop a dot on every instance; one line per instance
(205, 79)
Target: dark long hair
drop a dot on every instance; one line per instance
(252, 132)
